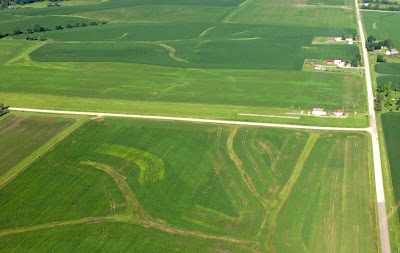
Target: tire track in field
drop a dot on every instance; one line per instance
(133, 209)
(226, 169)
(171, 52)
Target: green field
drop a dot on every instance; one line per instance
(172, 57)
(213, 184)
(20, 135)
(390, 123)
(388, 68)
(382, 25)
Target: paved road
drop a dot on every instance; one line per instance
(228, 122)
(380, 194)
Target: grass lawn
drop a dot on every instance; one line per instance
(228, 184)
(20, 135)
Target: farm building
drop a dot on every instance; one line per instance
(329, 61)
(318, 67)
(338, 113)
(330, 40)
(338, 39)
(388, 52)
(349, 41)
(318, 112)
(394, 51)
(339, 63)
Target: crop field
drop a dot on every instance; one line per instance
(388, 68)
(192, 54)
(200, 187)
(383, 25)
(395, 80)
(20, 135)
(390, 123)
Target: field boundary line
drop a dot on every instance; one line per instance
(379, 188)
(20, 167)
(195, 120)
(25, 54)
(19, 230)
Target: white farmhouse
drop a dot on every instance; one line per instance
(318, 112)
(338, 39)
(349, 41)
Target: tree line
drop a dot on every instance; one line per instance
(39, 28)
(384, 96)
(3, 109)
(4, 4)
(373, 44)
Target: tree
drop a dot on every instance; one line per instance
(68, 26)
(388, 43)
(371, 38)
(380, 59)
(58, 27)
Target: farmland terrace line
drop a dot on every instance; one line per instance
(196, 120)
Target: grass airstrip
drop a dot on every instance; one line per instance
(198, 187)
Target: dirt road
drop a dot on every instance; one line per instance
(380, 194)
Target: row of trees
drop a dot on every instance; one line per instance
(38, 28)
(4, 4)
(373, 44)
(384, 96)
(3, 109)
(381, 2)
(380, 7)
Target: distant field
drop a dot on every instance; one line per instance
(161, 13)
(383, 25)
(284, 13)
(326, 2)
(391, 122)
(23, 23)
(228, 184)
(388, 68)
(21, 135)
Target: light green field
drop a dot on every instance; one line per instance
(213, 184)
(382, 25)
(294, 12)
(21, 135)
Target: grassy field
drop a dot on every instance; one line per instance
(21, 135)
(388, 68)
(212, 184)
(182, 54)
(390, 123)
(382, 25)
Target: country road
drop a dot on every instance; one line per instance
(227, 122)
(380, 194)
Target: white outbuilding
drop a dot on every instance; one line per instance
(318, 112)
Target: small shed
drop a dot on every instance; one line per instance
(329, 61)
(338, 113)
(318, 112)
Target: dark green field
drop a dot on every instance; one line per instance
(395, 80)
(211, 184)
(20, 135)
(388, 68)
(390, 123)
